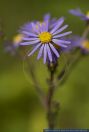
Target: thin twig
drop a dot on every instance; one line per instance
(85, 33)
(39, 90)
(72, 63)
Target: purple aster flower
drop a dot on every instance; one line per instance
(84, 45)
(17, 39)
(78, 42)
(79, 13)
(75, 43)
(46, 39)
(9, 47)
(13, 45)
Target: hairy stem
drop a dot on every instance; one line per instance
(49, 102)
(51, 106)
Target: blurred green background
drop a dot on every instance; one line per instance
(20, 109)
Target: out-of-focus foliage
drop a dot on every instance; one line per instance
(20, 109)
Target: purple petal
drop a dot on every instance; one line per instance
(58, 42)
(30, 42)
(27, 27)
(46, 22)
(47, 17)
(76, 12)
(54, 22)
(34, 26)
(46, 25)
(29, 34)
(40, 52)
(45, 53)
(43, 28)
(30, 39)
(54, 50)
(59, 23)
(49, 53)
(63, 34)
(61, 41)
(38, 26)
(60, 30)
(34, 49)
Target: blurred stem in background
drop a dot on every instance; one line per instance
(85, 33)
(73, 61)
(31, 70)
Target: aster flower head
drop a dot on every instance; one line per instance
(46, 39)
(79, 13)
(75, 43)
(85, 46)
(81, 43)
(17, 39)
(11, 46)
(78, 42)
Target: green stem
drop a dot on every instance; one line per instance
(51, 105)
(66, 72)
(49, 101)
(85, 33)
(31, 70)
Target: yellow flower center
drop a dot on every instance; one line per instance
(87, 14)
(45, 37)
(17, 38)
(85, 44)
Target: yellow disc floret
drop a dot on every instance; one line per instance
(45, 37)
(85, 44)
(87, 14)
(18, 38)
